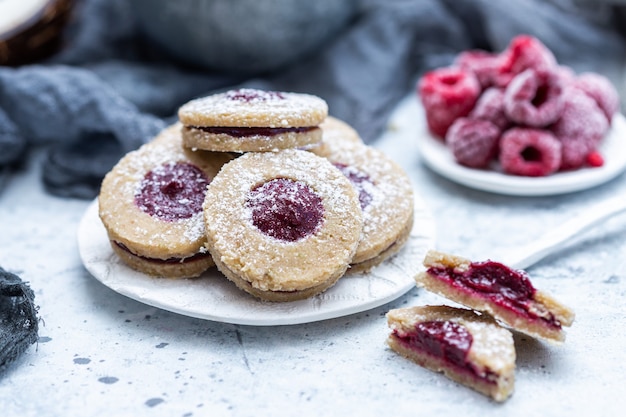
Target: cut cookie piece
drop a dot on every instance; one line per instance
(151, 206)
(467, 347)
(386, 199)
(494, 288)
(282, 225)
(253, 120)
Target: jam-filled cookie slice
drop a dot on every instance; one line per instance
(282, 225)
(494, 288)
(467, 347)
(386, 199)
(151, 206)
(253, 120)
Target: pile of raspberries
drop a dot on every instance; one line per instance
(520, 108)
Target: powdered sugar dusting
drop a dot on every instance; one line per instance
(254, 108)
(172, 191)
(250, 95)
(129, 223)
(280, 264)
(492, 347)
(285, 209)
(390, 193)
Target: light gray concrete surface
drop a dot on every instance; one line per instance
(102, 354)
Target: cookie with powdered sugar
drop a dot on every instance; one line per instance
(282, 226)
(385, 195)
(467, 347)
(494, 288)
(151, 206)
(247, 120)
(335, 131)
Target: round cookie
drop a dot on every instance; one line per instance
(334, 131)
(151, 206)
(282, 226)
(386, 198)
(252, 120)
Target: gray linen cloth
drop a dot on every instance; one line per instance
(109, 90)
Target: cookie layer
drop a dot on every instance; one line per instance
(385, 195)
(253, 120)
(151, 206)
(311, 193)
(493, 288)
(469, 348)
(335, 131)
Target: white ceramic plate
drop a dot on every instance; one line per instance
(436, 156)
(213, 297)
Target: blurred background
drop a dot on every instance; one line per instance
(93, 79)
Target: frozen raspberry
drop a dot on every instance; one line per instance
(473, 142)
(447, 93)
(575, 153)
(490, 106)
(534, 98)
(523, 52)
(599, 88)
(566, 74)
(529, 152)
(482, 63)
(580, 128)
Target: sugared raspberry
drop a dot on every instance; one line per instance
(580, 128)
(522, 53)
(490, 106)
(473, 142)
(529, 152)
(482, 63)
(447, 94)
(599, 88)
(534, 98)
(566, 74)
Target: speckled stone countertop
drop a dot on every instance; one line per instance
(103, 354)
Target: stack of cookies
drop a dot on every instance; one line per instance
(282, 198)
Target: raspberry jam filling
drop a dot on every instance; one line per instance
(285, 209)
(249, 95)
(446, 340)
(499, 284)
(360, 181)
(242, 132)
(173, 191)
(196, 257)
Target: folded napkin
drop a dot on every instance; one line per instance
(18, 318)
(109, 90)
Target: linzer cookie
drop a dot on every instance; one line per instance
(385, 196)
(253, 120)
(498, 290)
(467, 347)
(282, 225)
(151, 206)
(335, 131)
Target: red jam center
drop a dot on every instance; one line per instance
(502, 285)
(248, 94)
(172, 191)
(360, 181)
(445, 339)
(285, 209)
